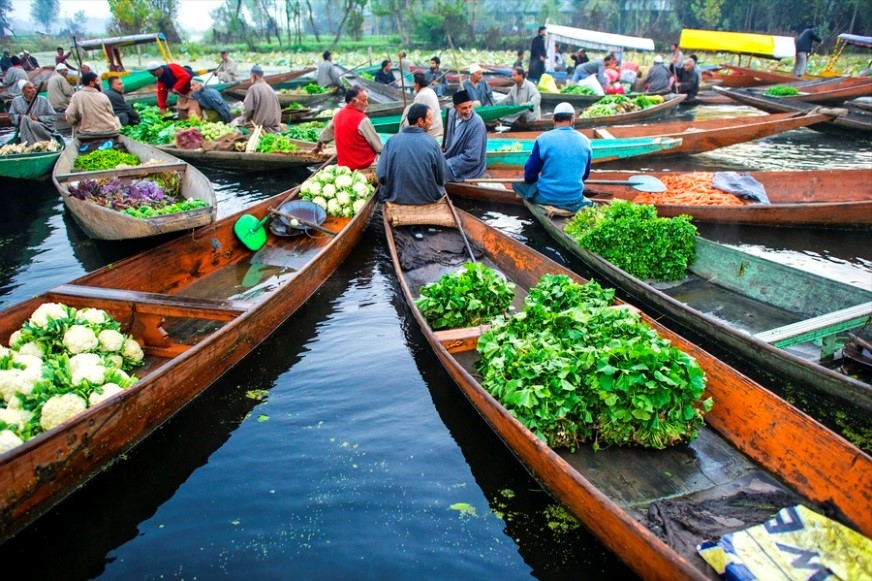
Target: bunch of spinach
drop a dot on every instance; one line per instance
(572, 369)
(633, 238)
(472, 296)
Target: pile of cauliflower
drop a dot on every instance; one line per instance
(61, 362)
(339, 190)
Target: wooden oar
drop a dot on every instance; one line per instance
(402, 80)
(639, 182)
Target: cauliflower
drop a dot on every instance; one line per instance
(328, 191)
(47, 312)
(325, 177)
(315, 188)
(132, 351)
(4, 352)
(340, 170)
(92, 316)
(333, 207)
(343, 181)
(320, 201)
(84, 360)
(361, 190)
(32, 348)
(343, 198)
(14, 338)
(110, 340)
(59, 409)
(79, 339)
(94, 374)
(30, 362)
(306, 190)
(358, 205)
(9, 440)
(359, 178)
(113, 360)
(15, 417)
(107, 391)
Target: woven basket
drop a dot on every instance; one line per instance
(438, 214)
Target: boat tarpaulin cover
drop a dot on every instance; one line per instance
(797, 544)
(856, 39)
(762, 45)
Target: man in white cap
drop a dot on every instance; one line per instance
(465, 141)
(558, 165)
(478, 89)
(14, 74)
(171, 78)
(658, 79)
(59, 89)
(261, 105)
(35, 125)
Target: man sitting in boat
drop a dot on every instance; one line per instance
(357, 143)
(5, 61)
(385, 75)
(411, 169)
(39, 123)
(28, 61)
(478, 89)
(211, 104)
(90, 111)
(13, 76)
(658, 79)
(523, 92)
(558, 165)
(686, 79)
(227, 71)
(465, 143)
(436, 77)
(328, 73)
(175, 78)
(424, 94)
(125, 112)
(261, 105)
(59, 91)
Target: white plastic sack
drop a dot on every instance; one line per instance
(593, 83)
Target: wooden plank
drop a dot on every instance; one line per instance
(460, 340)
(140, 170)
(603, 134)
(153, 303)
(817, 327)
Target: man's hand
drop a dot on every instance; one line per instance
(318, 147)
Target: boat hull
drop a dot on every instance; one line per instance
(663, 108)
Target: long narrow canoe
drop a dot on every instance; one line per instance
(249, 162)
(764, 311)
(391, 123)
(379, 92)
(197, 304)
(670, 102)
(848, 119)
(505, 154)
(803, 199)
(30, 166)
(107, 224)
(698, 136)
(739, 77)
(275, 79)
(832, 91)
(610, 490)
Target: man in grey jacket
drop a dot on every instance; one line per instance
(465, 141)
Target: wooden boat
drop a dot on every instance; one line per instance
(736, 77)
(728, 294)
(832, 91)
(198, 305)
(276, 79)
(803, 199)
(669, 103)
(30, 166)
(610, 490)
(698, 136)
(847, 120)
(107, 224)
(249, 162)
(377, 92)
(503, 153)
(391, 123)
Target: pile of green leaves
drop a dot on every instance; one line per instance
(577, 90)
(306, 131)
(472, 296)
(273, 142)
(781, 91)
(633, 238)
(160, 129)
(367, 76)
(292, 107)
(315, 89)
(574, 369)
(101, 159)
(145, 212)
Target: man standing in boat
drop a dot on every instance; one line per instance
(59, 90)
(538, 55)
(125, 112)
(39, 123)
(357, 143)
(172, 78)
(465, 142)
(558, 165)
(425, 95)
(227, 71)
(62, 57)
(90, 111)
(261, 105)
(804, 45)
(411, 169)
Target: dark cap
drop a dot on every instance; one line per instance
(461, 97)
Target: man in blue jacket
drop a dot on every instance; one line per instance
(212, 104)
(558, 165)
(804, 45)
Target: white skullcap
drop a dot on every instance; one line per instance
(564, 108)
(21, 84)
(153, 65)
(474, 69)
(61, 67)
(658, 59)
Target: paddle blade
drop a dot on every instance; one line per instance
(647, 184)
(250, 231)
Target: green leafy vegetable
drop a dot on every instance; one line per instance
(101, 159)
(473, 296)
(577, 90)
(271, 142)
(781, 91)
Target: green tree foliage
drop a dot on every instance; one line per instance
(132, 16)
(708, 12)
(5, 9)
(44, 12)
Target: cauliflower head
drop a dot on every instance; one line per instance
(93, 374)
(8, 441)
(48, 312)
(110, 340)
(92, 316)
(32, 348)
(15, 417)
(80, 339)
(102, 393)
(131, 351)
(59, 409)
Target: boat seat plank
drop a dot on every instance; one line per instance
(140, 170)
(460, 340)
(603, 134)
(818, 327)
(150, 303)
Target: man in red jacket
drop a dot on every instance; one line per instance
(175, 78)
(357, 143)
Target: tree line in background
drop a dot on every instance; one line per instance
(491, 24)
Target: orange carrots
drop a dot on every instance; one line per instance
(690, 189)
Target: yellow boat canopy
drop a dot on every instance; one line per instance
(761, 45)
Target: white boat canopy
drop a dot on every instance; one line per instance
(592, 39)
(856, 40)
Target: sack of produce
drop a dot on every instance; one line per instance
(592, 83)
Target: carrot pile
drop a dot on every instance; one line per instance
(690, 189)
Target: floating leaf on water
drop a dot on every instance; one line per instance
(464, 508)
(507, 493)
(258, 394)
(262, 418)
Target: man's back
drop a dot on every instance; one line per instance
(327, 76)
(562, 165)
(411, 168)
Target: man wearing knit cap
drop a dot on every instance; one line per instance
(261, 105)
(59, 89)
(478, 89)
(35, 125)
(558, 165)
(465, 141)
(426, 96)
(211, 104)
(659, 77)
